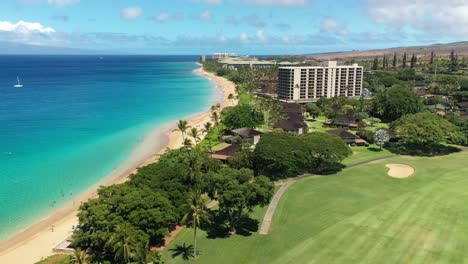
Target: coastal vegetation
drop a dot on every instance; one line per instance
(128, 221)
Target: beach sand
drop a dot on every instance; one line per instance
(36, 242)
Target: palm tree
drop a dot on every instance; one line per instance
(198, 214)
(215, 118)
(182, 126)
(121, 242)
(80, 257)
(207, 127)
(195, 134)
(187, 143)
(231, 97)
(145, 256)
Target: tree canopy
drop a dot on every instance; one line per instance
(427, 128)
(241, 116)
(238, 192)
(280, 155)
(395, 102)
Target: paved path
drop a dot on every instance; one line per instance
(265, 227)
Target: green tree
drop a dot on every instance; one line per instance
(182, 126)
(413, 61)
(123, 242)
(313, 110)
(197, 215)
(324, 151)
(426, 129)
(406, 74)
(207, 127)
(394, 102)
(381, 137)
(195, 134)
(453, 61)
(395, 61)
(431, 60)
(231, 98)
(403, 63)
(215, 118)
(241, 116)
(279, 155)
(238, 192)
(375, 63)
(80, 257)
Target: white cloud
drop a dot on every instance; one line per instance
(62, 2)
(328, 24)
(162, 17)
(244, 37)
(206, 15)
(165, 17)
(131, 13)
(23, 27)
(444, 17)
(261, 35)
(28, 33)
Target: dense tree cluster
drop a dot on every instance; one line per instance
(241, 116)
(397, 101)
(427, 128)
(125, 219)
(280, 155)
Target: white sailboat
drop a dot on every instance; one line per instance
(19, 85)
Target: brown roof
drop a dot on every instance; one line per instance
(462, 104)
(246, 132)
(343, 134)
(290, 125)
(229, 150)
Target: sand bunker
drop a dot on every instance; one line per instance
(399, 170)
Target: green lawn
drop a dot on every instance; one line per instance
(360, 215)
(56, 259)
(317, 126)
(361, 154)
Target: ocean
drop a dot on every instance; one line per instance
(77, 118)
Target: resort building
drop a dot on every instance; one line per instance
(246, 62)
(223, 55)
(308, 84)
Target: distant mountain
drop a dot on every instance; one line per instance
(461, 48)
(11, 48)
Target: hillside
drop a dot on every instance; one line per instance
(461, 48)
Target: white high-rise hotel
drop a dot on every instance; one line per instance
(308, 84)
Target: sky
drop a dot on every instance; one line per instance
(240, 26)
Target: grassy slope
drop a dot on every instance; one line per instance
(56, 259)
(361, 215)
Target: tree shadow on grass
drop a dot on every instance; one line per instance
(218, 228)
(328, 168)
(374, 149)
(431, 150)
(184, 251)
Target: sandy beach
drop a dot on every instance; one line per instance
(36, 242)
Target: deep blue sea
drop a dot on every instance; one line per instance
(77, 118)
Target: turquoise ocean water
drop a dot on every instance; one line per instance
(77, 118)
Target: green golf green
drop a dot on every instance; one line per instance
(360, 215)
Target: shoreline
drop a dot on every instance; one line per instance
(37, 240)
